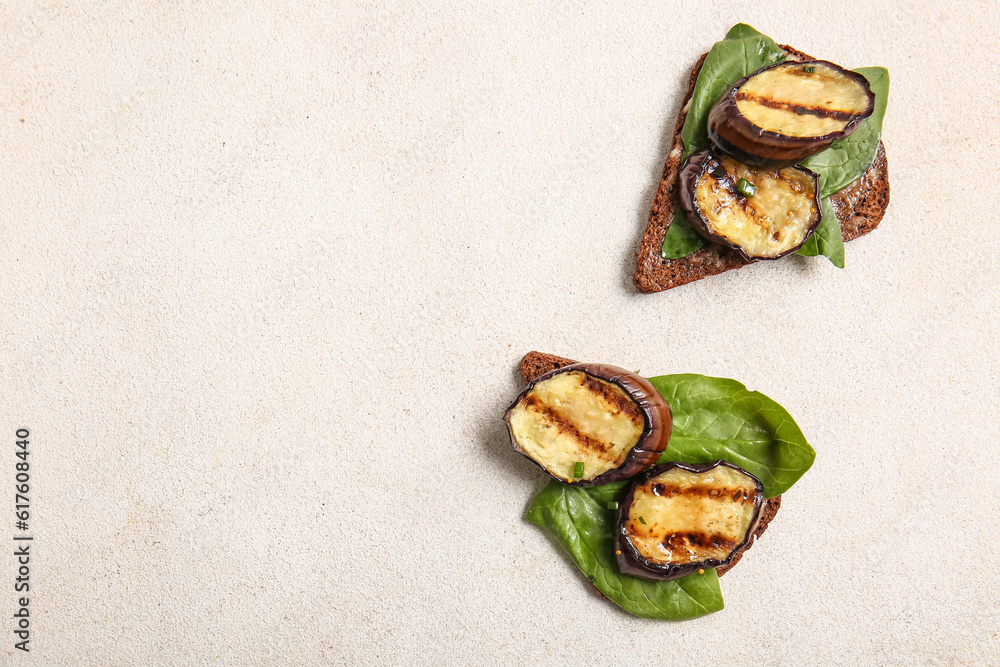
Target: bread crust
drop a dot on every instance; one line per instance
(859, 208)
(535, 364)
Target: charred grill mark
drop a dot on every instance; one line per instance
(737, 495)
(691, 541)
(697, 540)
(566, 427)
(620, 403)
(799, 109)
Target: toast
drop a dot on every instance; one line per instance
(859, 207)
(535, 364)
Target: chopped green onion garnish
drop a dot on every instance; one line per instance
(746, 188)
(613, 505)
(578, 470)
(642, 521)
(809, 69)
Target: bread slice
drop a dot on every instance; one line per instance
(538, 363)
(859, 208)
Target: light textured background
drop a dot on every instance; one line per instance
(268, 269)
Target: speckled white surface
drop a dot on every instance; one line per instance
(268, 269)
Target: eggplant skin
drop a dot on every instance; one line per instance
(706, 162)
(632, 563)
(733, 134)
(656, 429)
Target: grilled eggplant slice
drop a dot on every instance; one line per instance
(590, 424)
(678, 518)
(784, 113)
(762, 213)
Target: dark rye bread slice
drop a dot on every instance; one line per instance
(538, 363)
(859, 207)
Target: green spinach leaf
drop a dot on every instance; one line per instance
(828, 240)
(581, 522)
(716, 418)
(846, 160)
(680, 240)
(741, 30)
